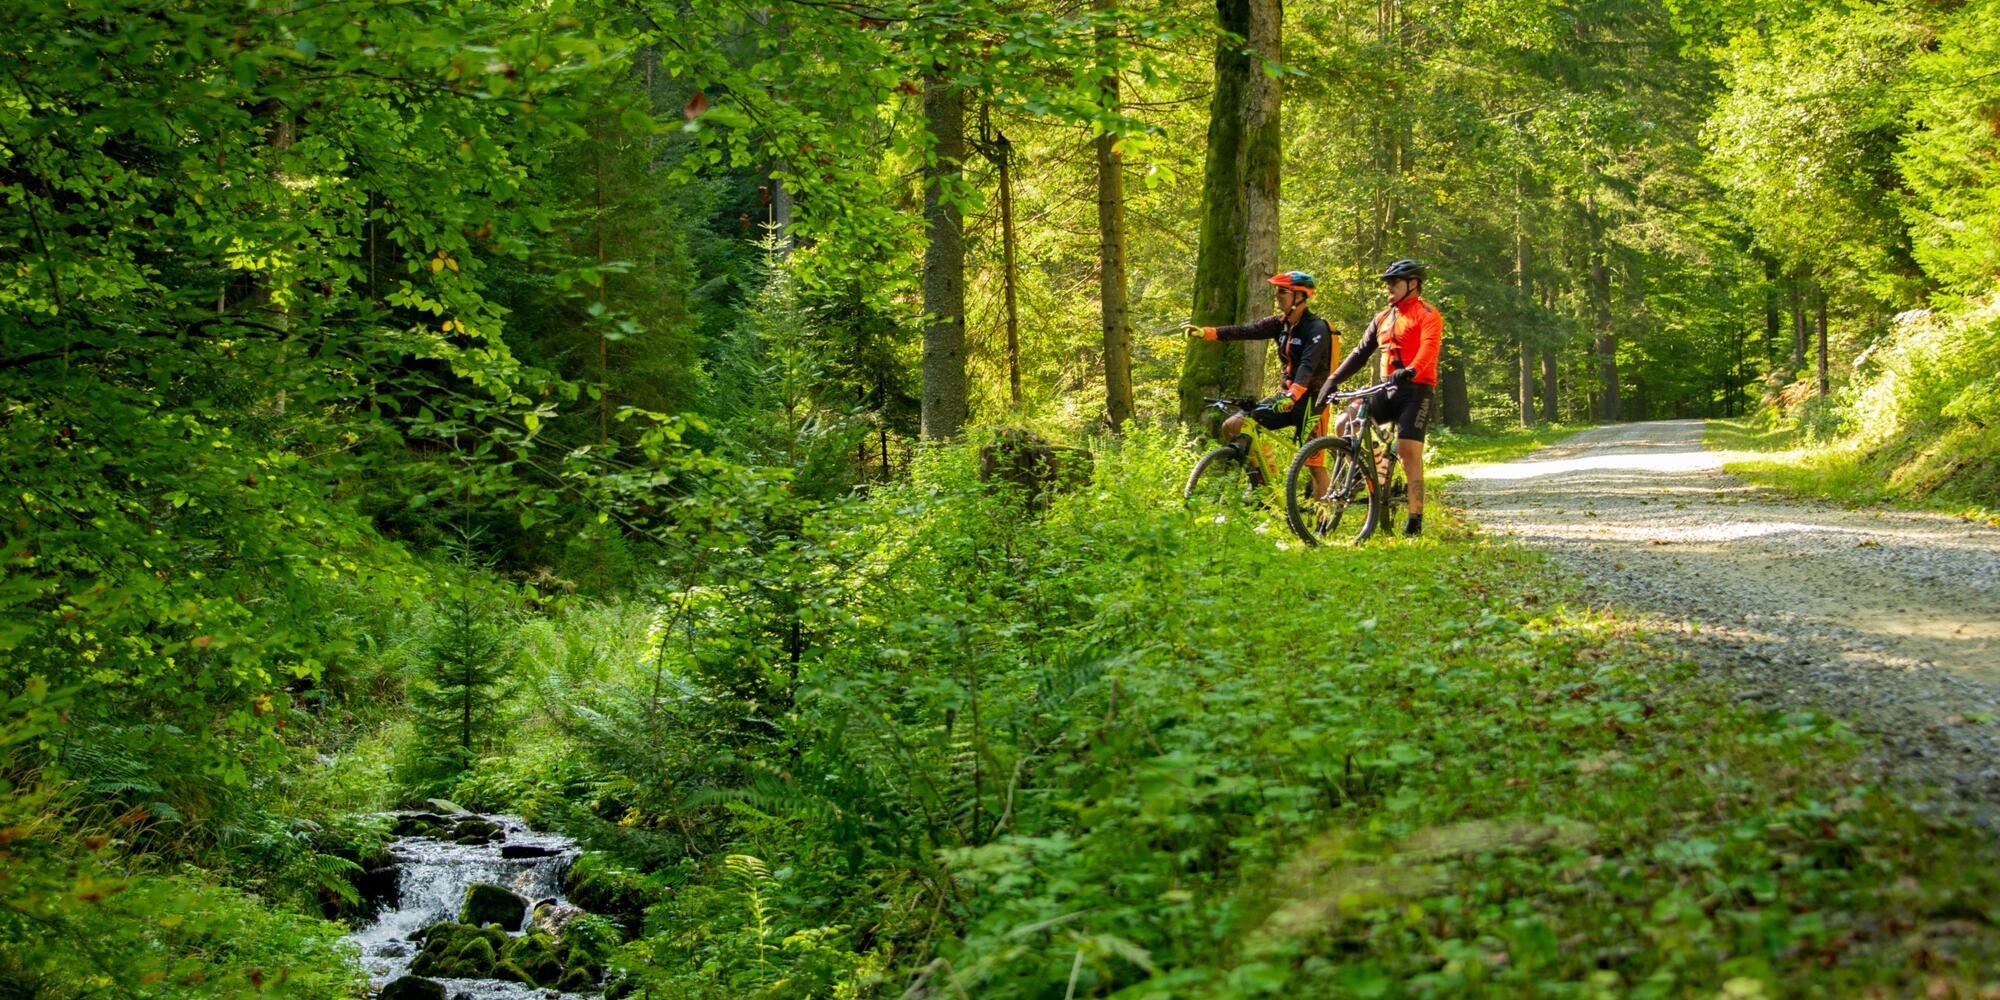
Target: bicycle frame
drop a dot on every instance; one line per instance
(1371, 441)
(1270, 451)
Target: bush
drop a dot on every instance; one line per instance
(1821, 418)
(1937, 366)
(69, 931)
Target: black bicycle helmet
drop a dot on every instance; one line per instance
(1405, 268)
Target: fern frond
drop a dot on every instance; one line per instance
(750, 869)
(770, 793)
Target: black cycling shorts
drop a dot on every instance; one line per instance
(1408, 407)
(1268, 417)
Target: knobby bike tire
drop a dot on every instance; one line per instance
(1385, 507)
(1220, 478)
(1352, 499)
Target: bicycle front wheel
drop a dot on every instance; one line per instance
(1341, 506)
(1219, 484)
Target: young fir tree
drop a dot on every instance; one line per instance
(464, 678)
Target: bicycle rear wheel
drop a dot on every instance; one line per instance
(1219, 484)
(1318, 516)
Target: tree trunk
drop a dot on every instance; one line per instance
(995, 146)
(1111, 246)
(943, 404)
(603, 257)
(1223, 259)
(1526, 390)
(1550, 413)
(1819, 324)
(781, 215)
(1591, 407)
(1735, 387)
(1387, 149)
(1605, 335)
(1010, 275)
(1454, 401)
(1263, 158)
(1773, 313)
(1798, 330)
(270, 297)
(1527, 383)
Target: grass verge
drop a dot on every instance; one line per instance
(1956, 471)
(1481, 445)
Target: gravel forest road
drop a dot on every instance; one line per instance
(1888, 619)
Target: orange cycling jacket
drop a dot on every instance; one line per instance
(1409, 334)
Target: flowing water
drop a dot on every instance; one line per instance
(431, 878)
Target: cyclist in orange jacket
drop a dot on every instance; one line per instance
(1306, 345)
(1408, 333)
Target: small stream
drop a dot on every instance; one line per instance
(431, 878)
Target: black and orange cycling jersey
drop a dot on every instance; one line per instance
(1409, 334)
(1305, 348)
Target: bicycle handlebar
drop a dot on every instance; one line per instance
(1364, 391)
(1240, 402)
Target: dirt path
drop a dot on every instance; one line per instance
(1889, 619)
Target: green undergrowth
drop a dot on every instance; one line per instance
(1482, 445)
(1954, 469)
(1112, 749)
(1915, 428)
(81, 915)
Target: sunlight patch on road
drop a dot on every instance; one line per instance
(1659, 462)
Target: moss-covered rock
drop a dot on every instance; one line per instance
(602, 887)
(510, 973)
(412, 988)
(418, 825)
(536, 955)
(474, 830)
(531, 944)
(496, 937)
(475, 959)
(429, 961)
(486, 903)
(577, 981)
(446, 942)
(545, 971)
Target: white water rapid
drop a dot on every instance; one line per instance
(432, 876)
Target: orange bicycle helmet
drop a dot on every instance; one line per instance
(1298, 281)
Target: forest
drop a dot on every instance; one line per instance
(586, 411)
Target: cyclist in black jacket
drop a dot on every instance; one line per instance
(1306, 346)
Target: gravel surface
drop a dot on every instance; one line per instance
(1888, 619)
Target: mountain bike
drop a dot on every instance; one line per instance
(1228, 479)
(1362, 476)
